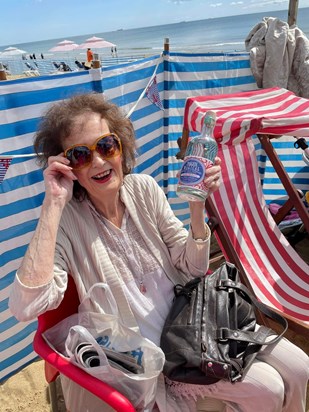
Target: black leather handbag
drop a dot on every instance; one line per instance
(211, 332)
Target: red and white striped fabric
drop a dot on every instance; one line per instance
(240, 115)
(278, 275)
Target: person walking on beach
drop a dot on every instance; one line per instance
(88, 63)
(98, 217)
(89, 55)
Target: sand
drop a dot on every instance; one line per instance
(26, 391)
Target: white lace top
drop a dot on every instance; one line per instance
(147, 288)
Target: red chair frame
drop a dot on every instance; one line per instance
(55, 364)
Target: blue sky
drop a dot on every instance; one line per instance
(23, 21)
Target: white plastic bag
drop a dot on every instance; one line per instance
(106, 328)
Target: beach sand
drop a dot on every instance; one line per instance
(26, 391)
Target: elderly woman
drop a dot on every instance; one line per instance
(98, 218)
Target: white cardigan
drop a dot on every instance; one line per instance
(81, 253)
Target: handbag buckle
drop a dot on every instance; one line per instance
(222, 284)
(222, 334)
(236, 378)
(225, 284)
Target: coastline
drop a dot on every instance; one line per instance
(224, 34)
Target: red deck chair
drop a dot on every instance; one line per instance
(54, 363)
(246, 231)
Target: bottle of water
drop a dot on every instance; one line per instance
(200, 154)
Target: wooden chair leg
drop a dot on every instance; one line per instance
(56, 396)
(53, 396)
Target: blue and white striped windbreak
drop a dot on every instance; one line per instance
(22, 104)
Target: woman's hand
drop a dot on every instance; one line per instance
(212, 181)
(212, 176)
(59, 179)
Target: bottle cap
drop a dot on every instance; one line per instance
(210, 117)
(211, 113)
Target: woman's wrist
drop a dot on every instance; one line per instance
(202, 235)
(198, 226)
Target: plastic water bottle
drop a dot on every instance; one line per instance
(200, 154)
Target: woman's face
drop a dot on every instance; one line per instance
(101, 178)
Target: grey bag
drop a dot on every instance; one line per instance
(210, 333)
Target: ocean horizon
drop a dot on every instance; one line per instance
(224, 34)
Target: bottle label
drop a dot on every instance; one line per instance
(193, 171)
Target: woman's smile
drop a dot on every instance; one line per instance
(103, 177)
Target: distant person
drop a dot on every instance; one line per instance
(112, 51)
(65, 67)
(42, 56)
(88, 63)
(31, 57)
(34, 56)
(89, 55)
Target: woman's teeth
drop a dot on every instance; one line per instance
(102, 175)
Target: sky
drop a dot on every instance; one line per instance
(23, 21)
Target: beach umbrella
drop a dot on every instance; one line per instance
(64, 46)
(96, 43)
(12, 51)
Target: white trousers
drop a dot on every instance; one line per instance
(276, 382)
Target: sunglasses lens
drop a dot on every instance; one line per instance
(79, 156)
(108, 147)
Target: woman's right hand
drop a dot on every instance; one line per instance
(59, 179)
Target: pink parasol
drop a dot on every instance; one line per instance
(96, 43)
(64, 46)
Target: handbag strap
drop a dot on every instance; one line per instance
(263, 332)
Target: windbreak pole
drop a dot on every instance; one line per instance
(292, 15)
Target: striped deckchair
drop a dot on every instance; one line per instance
(246, 231)
(18, 68)
(45, 67)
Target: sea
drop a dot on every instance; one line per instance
(225, 34)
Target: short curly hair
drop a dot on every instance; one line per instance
(59, 121)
